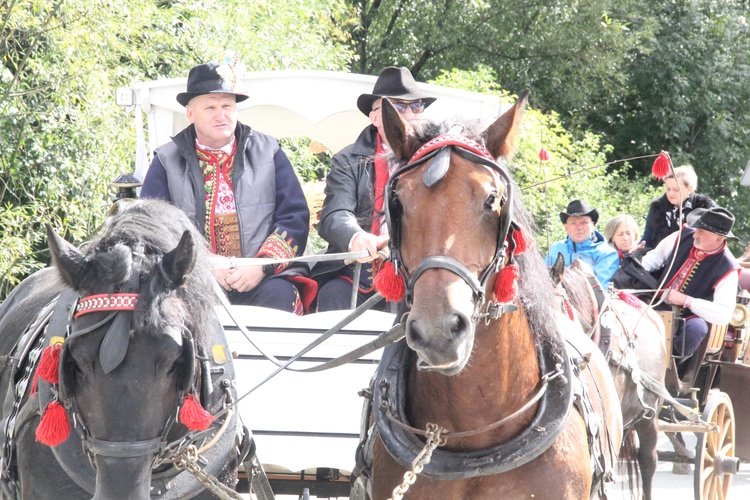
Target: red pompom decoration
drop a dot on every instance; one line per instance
(49, 364)
(54, 428)
(661, 166)
(389, 284)
(631, 300)
(506, 284)
(522, 244)
(543, 154)
(192, 414)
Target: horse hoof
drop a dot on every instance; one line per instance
(682, 469)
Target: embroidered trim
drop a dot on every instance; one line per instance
(218, 168)
(277, 246)
(106, 302)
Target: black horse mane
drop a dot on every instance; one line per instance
(158, 226)
(536, 290)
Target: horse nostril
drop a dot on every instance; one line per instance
(458, 326)
(414, 333)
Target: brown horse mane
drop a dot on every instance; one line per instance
(158, 226)
(536, 291)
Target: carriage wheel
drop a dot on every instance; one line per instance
(715, 463)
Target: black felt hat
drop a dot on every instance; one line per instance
(716, 220)
(205, 79)
(393, 82)
(578, 208)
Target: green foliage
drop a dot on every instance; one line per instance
(576, 169)
(568, 53)
(309, 165)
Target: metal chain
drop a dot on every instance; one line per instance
(188, 460)
(434, 439)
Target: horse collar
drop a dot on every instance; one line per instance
(404, 446)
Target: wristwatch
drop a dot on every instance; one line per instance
(268, 269)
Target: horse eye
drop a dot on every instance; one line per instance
(489, 203)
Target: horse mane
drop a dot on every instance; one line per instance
(578, 289)
(158, 226)
(535, 288)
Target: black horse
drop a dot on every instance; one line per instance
(138, 348)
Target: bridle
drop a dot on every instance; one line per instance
(441, 148)
(119, 307)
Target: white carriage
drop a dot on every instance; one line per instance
(306, 425)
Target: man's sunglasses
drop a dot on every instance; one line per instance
(401, 107)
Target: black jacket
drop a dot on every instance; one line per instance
(349, 201)
(661, 220)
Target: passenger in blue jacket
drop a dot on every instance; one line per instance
(584, 242)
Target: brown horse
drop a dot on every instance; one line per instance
(497, 377)
(636, 352)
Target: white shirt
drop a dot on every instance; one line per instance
(717, 311)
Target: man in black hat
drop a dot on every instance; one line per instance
(352, 214)
(585, 243)
(702, 281)
(240, 189)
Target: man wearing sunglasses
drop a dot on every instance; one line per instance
(352, 218)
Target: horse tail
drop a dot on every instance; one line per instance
(628, 461)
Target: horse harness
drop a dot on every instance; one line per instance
(54, 324)
(562, 386)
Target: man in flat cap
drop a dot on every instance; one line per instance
(585, 243)
(352, 216)
(240, 189)
(702, 281)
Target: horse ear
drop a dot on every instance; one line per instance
(558, 268)
(68, 260)
(178, 263)
(398, 132)
(501, 138)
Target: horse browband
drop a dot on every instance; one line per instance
(106, 302)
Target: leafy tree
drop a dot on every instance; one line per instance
(568, 53)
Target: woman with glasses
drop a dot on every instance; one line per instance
(352, 217)
(584, 242)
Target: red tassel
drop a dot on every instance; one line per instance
(522, 244)
(543, 154)
(661, 166)
(49, 364)
(506, 284)
(54, 428)
(192, 414)
(34, 383)
(389, 284)
(631, 300)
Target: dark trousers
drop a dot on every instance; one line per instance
(275, 293)
(696, 330)
(336, 295)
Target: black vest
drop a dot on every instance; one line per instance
(695, 272)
